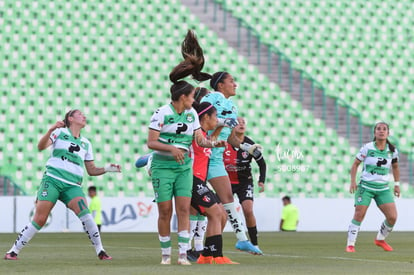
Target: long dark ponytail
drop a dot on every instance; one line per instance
(192, 65)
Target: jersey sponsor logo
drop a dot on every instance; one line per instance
(234, 168)
(181, 128)
(224, 112)
(73, 148)
(227, 153)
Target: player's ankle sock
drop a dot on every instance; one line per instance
(165, 243)
(252, 234)
(214, 246)
(25, 236)
(235, 221)
(384, 230)
(199, 236)
(183, 239)
(91, 229)
(353, 230)
(193, 229)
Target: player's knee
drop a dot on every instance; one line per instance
(40, 219)
(392, 220)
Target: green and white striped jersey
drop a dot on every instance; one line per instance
(175, 129)
(377, 163)
(67, 156)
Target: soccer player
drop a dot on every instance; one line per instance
(377, 157)
(238, 166)
(203, 199)
(95, 206)
(224, 87)
(62, 180)
(171, 132)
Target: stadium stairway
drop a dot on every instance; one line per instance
(228, 28)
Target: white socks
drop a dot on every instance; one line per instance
(234, 219)
(199, 235)
(352, 234)
(165, 243)
(23, 238)
(183, 239)
(384, 231)
(91, 229)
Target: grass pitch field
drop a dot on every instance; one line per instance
(285, 253)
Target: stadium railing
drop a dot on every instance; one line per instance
(9, 188)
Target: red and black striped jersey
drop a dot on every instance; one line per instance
(200, 156)
(237, 163)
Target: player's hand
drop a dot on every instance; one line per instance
(353, 187)
(220, 143)
(110, 167)
(230, 122)
(58, 124)
(178, 154)
(227, 122)
(397, 191)
(261, 187)
(253, 149)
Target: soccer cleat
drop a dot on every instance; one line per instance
(205, 259)
(193, 255)
(11, 256)
(166, 259)
(182, 260)
(223, 260)
(248, 247)
(103, 256)
(350, 248)
(383, 244)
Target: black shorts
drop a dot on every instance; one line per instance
(202, 196)
(244, 190)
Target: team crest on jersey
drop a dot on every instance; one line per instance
(245, 154)
(44, 193)
(359, 199)
(83, 144)
(190, 117)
